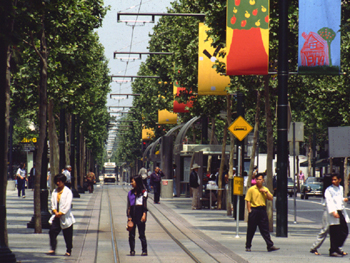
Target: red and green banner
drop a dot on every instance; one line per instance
(179, 91)
(247, 37)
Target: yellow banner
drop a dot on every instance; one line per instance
(147, 134)
(209, 81)
(166, 117)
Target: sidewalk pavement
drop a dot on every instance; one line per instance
(30, 247)
(208, 224)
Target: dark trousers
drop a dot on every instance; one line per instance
(156, 189)
(21, 186)
(258, 217)
(31, 182)
(145, 183)
(90, 187)
(338, 234)
(141, 226)
(67, 234)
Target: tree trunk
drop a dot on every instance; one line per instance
(221, 170)
(269, 143)
(67, 138)
(82, 157)
(54, 147)
(309, 158)
(5, 56)
(229, 207)
(210, 157)
(42, 128)
(346, 177)
(255, 143)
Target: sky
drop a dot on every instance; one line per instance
(127, 37)
(123, 37)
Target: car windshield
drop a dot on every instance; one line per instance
(314, 180)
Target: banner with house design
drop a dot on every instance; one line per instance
(210, 82)
(247, 37)
(319, 36)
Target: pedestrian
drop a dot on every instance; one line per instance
(256, 204)
(322, 234)
(21, 180)
(174, 180)
(63, 219)
(67, 173)
(156, 178)
(337, 216)
(143, 174)
(194, 184)
(148, 180)
(301, 178)
(91, 180)
(137, 213)
(31, 179)
(255, 173)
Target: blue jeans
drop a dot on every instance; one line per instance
(174, 187)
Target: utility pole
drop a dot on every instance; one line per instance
(282, 125)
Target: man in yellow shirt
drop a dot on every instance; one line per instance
(256, 204)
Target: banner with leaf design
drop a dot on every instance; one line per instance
(319, 36)
(209, 81)
(247, 37)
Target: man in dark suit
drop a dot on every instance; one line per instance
(156, 178)
(194, 184)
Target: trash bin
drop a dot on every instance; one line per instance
(166, 188)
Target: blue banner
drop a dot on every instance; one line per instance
(319, 36)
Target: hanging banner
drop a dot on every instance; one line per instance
(177, 90)
(209, 81)
(319, 36)
(147, 134)
(247, 37)
(166, 117)
(178, 106)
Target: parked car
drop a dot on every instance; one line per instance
(313, 186)
(290, 186)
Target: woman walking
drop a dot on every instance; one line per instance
(137, 213)
(21, 180)
(61, 202)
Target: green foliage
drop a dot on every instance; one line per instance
(77, 70)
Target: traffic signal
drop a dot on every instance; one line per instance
(144, 146)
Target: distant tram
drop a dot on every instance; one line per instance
(109, 172)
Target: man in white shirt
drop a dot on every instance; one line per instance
(337, 216)
(67, 173)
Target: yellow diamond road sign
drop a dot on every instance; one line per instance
(240, 128)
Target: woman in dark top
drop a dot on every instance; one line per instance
(137, 213)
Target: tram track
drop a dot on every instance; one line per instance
(195, 246)
(172, 236)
